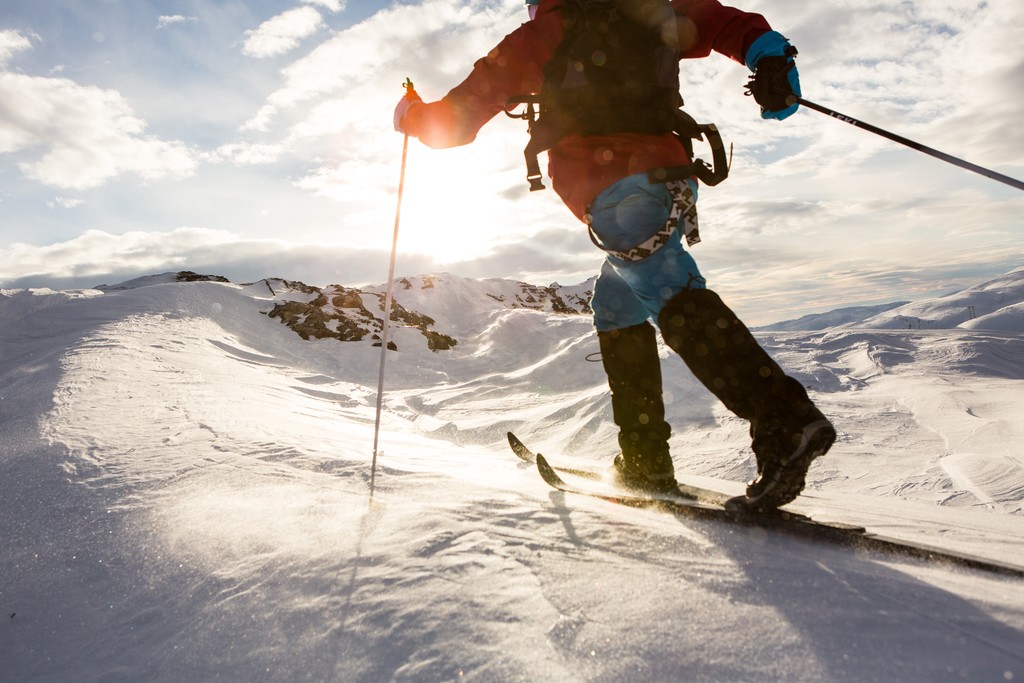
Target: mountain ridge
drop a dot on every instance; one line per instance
(444, 308)
(995, 304)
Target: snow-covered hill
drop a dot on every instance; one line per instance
(997, 304)
(989, 305)
(186, 496)
(850, 315)
(350, 314)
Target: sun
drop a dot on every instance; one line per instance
(456, 203)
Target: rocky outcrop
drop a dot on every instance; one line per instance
(553, 298)
(189, 276)
(340, 313)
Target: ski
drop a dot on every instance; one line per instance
(686, 491)
(705, 504)
(526, 455)
(712, 505)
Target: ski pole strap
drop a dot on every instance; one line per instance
(707, 174)
(542, 138)
(713, 175)
(533, 174)
(683, 213)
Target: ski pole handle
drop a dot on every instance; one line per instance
(410, 90)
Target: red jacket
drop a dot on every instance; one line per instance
(579, 167)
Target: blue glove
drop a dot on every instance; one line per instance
(775, 77)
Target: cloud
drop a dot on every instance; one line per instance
(439, 40)
(78, 137)
(64, 203)
(89, 135)
(96, 252)
(12, 42)
(282, 33)
(923, 69)
(814, 287)
(165, 21)
(871, 251)
(553, 254)
(248, 153)
(98, 256)
(333, 112)
(332, 5)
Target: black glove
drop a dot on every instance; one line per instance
(775, 80)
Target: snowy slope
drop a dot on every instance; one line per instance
(850, 315)
(186, 499)
(994, 304)
(997, 304)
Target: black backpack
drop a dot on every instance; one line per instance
(615, 71)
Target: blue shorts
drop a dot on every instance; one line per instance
(628, 292)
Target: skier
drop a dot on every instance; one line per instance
(605, 163)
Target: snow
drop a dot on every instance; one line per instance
(186, 498)
(839, 316)
(993, 305)
(997, 300)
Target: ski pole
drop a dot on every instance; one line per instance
(988, 173)
(388, 297)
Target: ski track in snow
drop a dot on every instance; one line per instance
(187, 500)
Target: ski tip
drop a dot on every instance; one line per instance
(547, 472)
(521, 451)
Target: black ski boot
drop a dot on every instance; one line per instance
(788, 431)
(630, 358)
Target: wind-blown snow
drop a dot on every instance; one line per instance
(186, 498)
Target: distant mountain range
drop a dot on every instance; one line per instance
(445, 307)
(996, 304)
(835, 318)
(437, 305)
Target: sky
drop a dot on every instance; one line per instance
(254, 139)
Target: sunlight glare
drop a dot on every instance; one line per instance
(454, 207)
